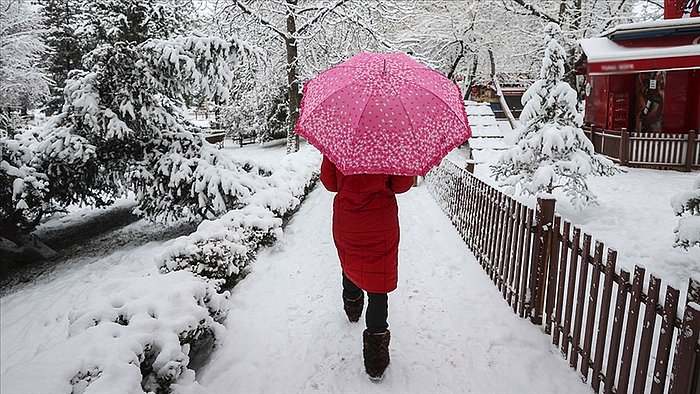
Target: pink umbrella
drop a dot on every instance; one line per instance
(383, 114)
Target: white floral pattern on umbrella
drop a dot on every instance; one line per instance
(383, 114)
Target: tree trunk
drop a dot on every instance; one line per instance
(453, 69)
(470, 79)
(292, 78)
(506, 109)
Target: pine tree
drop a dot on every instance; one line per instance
(552, 151)
(123, 126)
(687, 232)
(66, 49)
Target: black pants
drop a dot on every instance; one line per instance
(377, 308)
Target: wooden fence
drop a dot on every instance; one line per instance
(653, 150)
(551, 272)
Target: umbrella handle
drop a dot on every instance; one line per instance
(384, 71)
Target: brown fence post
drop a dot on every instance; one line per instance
(539, 260)
(624, 147)
(686, 366)
(690, 150)
(470, 166)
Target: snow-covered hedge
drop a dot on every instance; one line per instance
(138, 330)
(133, 338)
(223, 249)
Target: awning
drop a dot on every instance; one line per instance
(606, 57)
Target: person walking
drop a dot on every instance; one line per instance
(379, 119)
(366, 235)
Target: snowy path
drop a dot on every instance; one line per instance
(451, 330)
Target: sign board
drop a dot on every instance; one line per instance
(674, 9)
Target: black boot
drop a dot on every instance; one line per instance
(375, 351)
(353, 308)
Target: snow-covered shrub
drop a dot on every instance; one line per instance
(22, 188)
(552, 151)
(223, 249)
(182, 176)
(688, 229)
(136, 337)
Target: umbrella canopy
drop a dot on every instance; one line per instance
(383, 114)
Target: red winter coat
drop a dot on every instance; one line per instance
(366, 225)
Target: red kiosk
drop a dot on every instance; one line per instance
(643, 90)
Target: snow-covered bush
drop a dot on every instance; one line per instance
(183, 177)
(552, 151)
(223, 249)
(135, 338)
(140, 330)
(688, 229)
(22, 188)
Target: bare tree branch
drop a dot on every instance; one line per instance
(656, 3)
(265, 22)
(538, 12)
(320, 15)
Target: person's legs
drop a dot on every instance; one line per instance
(353, 300)
(377, 313)
(350, 290)
(376, 338)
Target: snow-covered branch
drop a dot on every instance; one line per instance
(323, 12)
(262, 20)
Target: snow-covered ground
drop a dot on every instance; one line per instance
(451, 330)
(633, 216)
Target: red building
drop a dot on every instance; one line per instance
(643, 90)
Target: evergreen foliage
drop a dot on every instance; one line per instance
(22, 188)
(65, 48)
(122, 126)
(552, 151)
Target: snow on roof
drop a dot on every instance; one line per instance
(653, 25)
(604, 49)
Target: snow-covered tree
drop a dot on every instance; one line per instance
(257, 109)
(23, 83)
(122, 126)
(688, 229)
(304, 37)
(65, 48)
(577, 19)
(552, 151)
(454, 38)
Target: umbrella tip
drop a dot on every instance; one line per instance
(384, 71)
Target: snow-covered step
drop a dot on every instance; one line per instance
(487, 132)
(488, 143)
